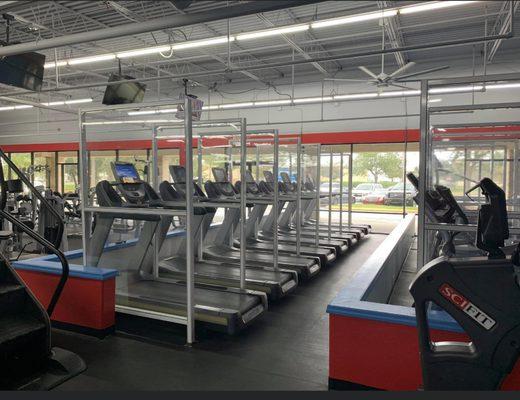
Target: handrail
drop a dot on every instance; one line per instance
(44, 242)
(44, 202)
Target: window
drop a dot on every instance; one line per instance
(68, 181)
(165, 158)
(140, 159)
(100, 168)
(44, 170)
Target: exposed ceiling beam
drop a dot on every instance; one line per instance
(173, 21)
(393, 31)
(294, 46)
(502, 25)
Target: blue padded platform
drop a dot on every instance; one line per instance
(356, 300)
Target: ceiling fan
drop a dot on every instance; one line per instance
(383, 79)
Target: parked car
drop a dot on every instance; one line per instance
(325, 188)
(363, 189)
(377, 197)
(395, 194)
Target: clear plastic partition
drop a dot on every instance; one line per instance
(473, 135)
(123, 213)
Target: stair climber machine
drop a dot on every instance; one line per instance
(310, 208)
(264, 239)
(275, 284)
(219, 308)
(222, 246)
(287, 234)
(27, 359)
(442, 207)
(483, 295)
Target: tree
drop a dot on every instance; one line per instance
(378, 164)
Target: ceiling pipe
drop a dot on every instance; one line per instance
(426, 46)
(170, 22)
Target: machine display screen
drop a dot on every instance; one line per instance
(268, 176)
(285, 177)
(249, 177)
(178, 173)
(220, 175)
(126, 173)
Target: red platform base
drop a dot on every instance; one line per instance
(86, 305)
(371, 354)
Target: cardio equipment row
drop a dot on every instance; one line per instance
(220, 303)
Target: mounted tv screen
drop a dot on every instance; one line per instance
(123, 93)
(23, 70)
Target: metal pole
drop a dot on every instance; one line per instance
(298, 195)
(200, 253)
(155, 183)
(341, 192)
(243, 194)
(404, 171)
(275, 200)
(257, 163)
(423, 161)
(84, 185)
(318, 179)
(350, 161)
(331, 158)
(190, 256)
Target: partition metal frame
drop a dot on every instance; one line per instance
(87, 209)
(426, 148)
(243, 133)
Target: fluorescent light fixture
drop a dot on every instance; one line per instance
(273, 32)
(143, 52)
(67, 102)
(504, 86)
(85, 60)
(441, 129)
(354, 18)
(312, 100)
(20, 107)
(202, 43)
(434, 5)
(356, 96)
(236, 105)
(213, 107)
(400, 93)
(456, 89)
(272, 103)
(150, 112)
(438, 100)
(134, 121)
(79, 101)
(52, 64)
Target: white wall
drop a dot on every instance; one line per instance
(43, 126)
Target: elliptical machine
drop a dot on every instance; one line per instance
(483, 295)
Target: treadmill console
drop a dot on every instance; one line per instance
(178, 174)
(222, 183)
(132, 187)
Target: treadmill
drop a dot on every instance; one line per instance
(138, 290)
(309, 206)
(326, 253)
(220, 247)
(341, 245)
(309, 187)
(275, 284)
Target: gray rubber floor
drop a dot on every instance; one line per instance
(286, 350)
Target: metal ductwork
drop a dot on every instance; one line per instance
(174, 21)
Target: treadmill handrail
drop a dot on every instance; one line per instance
(136, 211)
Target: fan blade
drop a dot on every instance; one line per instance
(368, 72)
(344, 79)
(400, 86)
(402, 69)
(424, 71)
